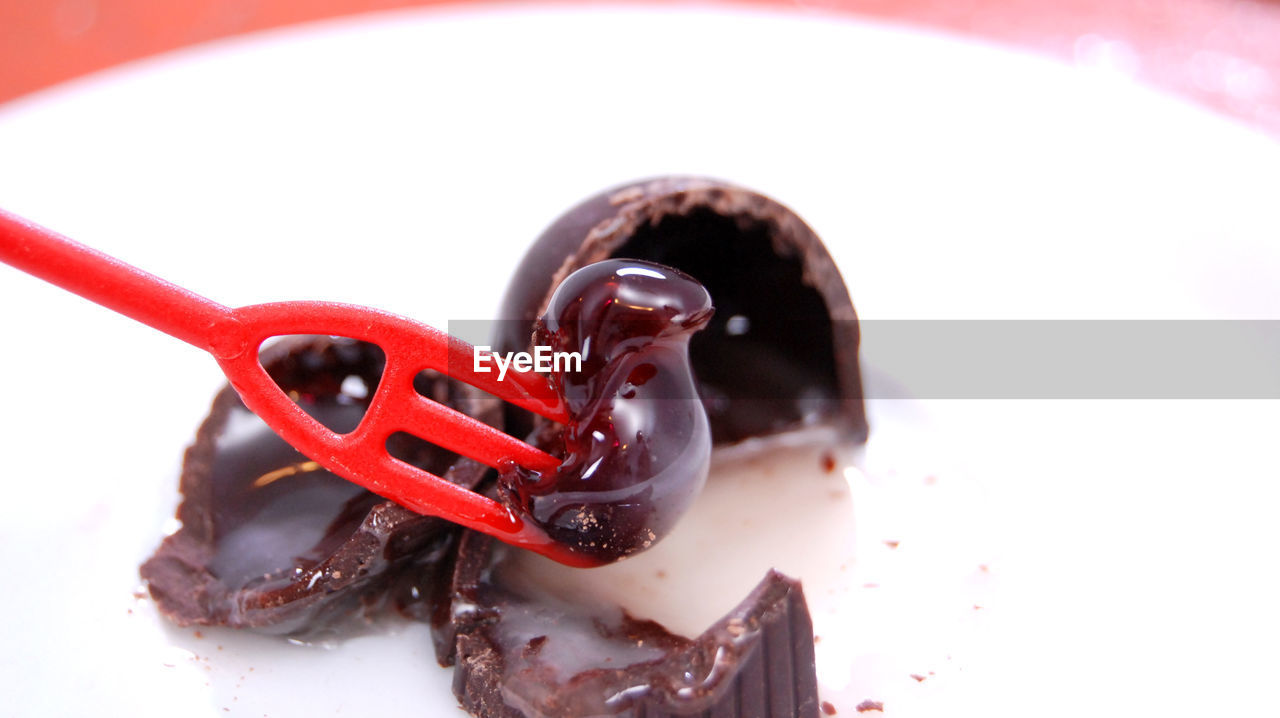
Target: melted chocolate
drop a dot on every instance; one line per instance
(270, 540)
(637, 448)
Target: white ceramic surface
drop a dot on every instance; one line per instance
(404, 161)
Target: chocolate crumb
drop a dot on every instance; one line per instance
(891, 544)
(198, 634)
(919, 678)
(817, 639)
(828, 709)
(828, 466)
(984, 568)
(870, 705)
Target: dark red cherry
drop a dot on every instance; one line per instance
(637, 448)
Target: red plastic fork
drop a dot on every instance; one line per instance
(233, 337)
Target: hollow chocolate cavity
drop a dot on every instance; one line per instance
(271, 541)
(782, 349)
(521, 652)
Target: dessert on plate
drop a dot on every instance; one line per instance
(271, 542)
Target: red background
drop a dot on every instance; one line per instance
(1224, 54)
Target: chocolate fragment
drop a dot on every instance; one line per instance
(272, 542)
(782, 349)
(521, 652)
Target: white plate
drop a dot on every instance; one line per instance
(403, 161)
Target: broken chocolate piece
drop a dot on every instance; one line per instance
(273, 542)
(782, 349)
(521, 652)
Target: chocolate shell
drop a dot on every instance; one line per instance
(271, 542)
(782, 349)
(523, 654)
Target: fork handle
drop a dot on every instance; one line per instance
(118, 286)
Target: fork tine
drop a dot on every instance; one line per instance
(451, 429)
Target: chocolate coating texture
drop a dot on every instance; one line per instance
(782, 348)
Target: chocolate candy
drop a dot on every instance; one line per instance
(782, 349)
(781, 352)
(272, 542)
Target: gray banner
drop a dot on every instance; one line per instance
(1121, 359)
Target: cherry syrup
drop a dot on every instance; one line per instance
(636, 450)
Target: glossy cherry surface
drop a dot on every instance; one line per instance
(637, 443)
